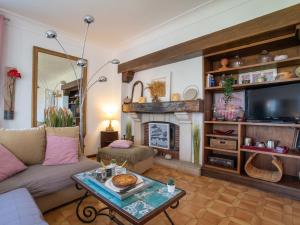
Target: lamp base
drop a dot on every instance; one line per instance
(109, 128)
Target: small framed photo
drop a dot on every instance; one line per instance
(245, 78)
(270, 75)
(257, 77)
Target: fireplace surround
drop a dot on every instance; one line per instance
(181, 120)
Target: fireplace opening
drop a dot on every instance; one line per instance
(162, 136)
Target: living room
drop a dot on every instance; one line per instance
(150, 112)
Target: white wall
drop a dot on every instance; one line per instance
(21, 34)
(212, 17)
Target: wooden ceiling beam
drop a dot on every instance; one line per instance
(288, 17)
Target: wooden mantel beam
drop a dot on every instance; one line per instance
(287, 17)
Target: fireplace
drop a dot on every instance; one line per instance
(163, 136)
(181, 122)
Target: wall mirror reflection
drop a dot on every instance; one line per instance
(55, 88)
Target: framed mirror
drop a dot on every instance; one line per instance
(54, 84)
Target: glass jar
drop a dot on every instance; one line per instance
(264, 57)
(237, 62)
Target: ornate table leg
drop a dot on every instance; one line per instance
(172, 207)
(90, 213)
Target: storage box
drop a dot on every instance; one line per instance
(223, 143)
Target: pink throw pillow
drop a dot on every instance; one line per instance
(61, 150)
(9, 164)
(121, 144)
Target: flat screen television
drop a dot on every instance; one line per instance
(274, 104)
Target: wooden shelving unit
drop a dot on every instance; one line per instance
(259, 131)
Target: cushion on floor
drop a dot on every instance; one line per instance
(18, 208)
(41, 180)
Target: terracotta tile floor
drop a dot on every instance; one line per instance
(208, 202)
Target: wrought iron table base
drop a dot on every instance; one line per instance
(90, 213)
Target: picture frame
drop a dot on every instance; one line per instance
(245, 78)
(270, 74)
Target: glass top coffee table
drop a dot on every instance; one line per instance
(137, 208)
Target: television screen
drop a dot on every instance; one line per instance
(280, 103)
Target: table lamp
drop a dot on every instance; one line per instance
(109, 116)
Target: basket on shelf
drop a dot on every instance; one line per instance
(267, 175)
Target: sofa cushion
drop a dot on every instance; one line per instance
(41, 180)
(72, 132)
(121, 144)
(27, 145)
(18, 208)
(61, 150)
(9, 164)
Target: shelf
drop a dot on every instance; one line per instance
(221, 150)
(255, 85)
(164, 107)
(256, 46)
(232, 137)
(292, 125)
(283, 63)
(222, 122)
(214, 167)
(291, 153)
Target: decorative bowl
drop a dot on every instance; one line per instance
(124, 180)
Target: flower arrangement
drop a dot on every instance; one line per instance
(157, 89)
(9, 100)
(58, 117)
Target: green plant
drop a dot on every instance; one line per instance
(128, 131)
(171, 182)
(228, 89)
(113, 161)
(58, 117)
(196, 143)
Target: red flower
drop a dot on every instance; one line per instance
(14, 73)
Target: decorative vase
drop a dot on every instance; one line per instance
(155, 98)
(171, 188)
(224, 64)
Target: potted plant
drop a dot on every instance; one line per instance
(171, 185)
(113, 162)
(228, 89)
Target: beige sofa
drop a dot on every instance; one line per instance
(51, 186)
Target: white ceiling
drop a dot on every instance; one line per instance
(116, 20)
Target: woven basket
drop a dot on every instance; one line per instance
(267, 175)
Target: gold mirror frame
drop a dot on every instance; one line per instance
(36, 51)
